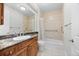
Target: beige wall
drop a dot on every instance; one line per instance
(53, 24)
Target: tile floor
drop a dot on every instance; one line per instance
(51, 47)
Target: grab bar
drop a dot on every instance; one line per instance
(67, 24)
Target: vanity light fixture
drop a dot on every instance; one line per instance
(22, 8)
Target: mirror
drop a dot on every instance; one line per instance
(20, 18)
(29, 22)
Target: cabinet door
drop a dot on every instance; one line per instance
(33, 49)
(8, 51)
(1, 13)
(23, 52)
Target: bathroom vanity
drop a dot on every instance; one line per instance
(18, 46)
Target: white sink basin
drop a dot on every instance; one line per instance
(22, 37)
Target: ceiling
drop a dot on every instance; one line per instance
(45, 7)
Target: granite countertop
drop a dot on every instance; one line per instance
(4, 43)
(15, 35)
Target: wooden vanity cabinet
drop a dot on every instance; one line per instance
(33, 48)
(1, 13)
(25, 48)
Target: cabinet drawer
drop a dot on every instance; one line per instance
(22, 45)
(33, 40)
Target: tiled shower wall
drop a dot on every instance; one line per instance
(53, 24)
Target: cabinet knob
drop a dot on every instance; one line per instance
(10, 52)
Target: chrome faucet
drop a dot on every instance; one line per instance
(19, 34)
